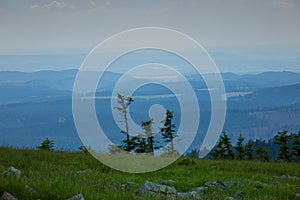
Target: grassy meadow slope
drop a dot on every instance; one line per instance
(60, 175)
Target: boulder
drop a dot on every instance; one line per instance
(296, 178)
(76, 197)
(188, 195)
(129, 185)
(199, 189)
(12, 171)
(218, 185)
(281, 177)
(239, 194)
(229, 198)
(155, 189)
(258, 184)
(114, 185)
(29, 189)
(85, 171)
(194, 193)
(298, 196)
(7, 196)
(231, 183)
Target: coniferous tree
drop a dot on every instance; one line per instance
(261, 154)
(150, 142)
(223, 149)
(124, 102)
(168, 131)
(249, 150)
(218, 151)
(240, 149)
(282, 138)
(140, 144)
(47, 144)
(296, 146)
(228, 154)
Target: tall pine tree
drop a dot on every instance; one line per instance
(240, 149)
(296, 146)
(261, 154)
(168, 131)
(249, 150)
(282, 138)
(223, 150)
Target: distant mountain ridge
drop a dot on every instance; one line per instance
(38, 104)
(34, 86)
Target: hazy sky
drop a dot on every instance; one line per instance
(67, 24)
(72, 26)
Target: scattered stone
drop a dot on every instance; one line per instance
(218, 185)
(259, 184)
(194, 193)
(281, 177)
(230, 183)
(77, 197)
(199, 189)
(29, 189)
(188, 195)
(298, 196)
(239, 194)
(229, 198)
(13, 171)
(294, 178)
(154, 189)
(168, 182)
(85, 171)
(128, 185)
(7, 196)
(114, 185)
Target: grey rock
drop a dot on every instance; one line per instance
(114, 185)
(230, 183)
(29, 189)
(168, 182)
(199, 189)
(298, 196)
(229, 198)
(294, 178)
(281, 177)
(194, 193)
(154, 189)
(218, 185)
(12, 171)
(85, 171)
(129, 185)
(188, 195)
(259, 184)
(7, 196)
(239, 194)
(76, 197)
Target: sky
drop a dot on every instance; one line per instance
(268, 28)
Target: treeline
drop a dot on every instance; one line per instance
(284, 146)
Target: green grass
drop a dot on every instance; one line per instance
(53, 175)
